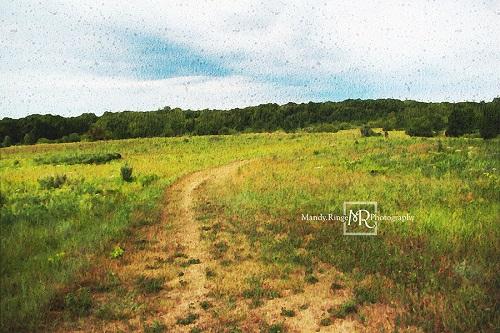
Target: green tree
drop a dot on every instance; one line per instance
(490, 122)
(7, 141)
(29, 139)
(460, 122)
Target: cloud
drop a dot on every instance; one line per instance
(298, 51)
(100, 94)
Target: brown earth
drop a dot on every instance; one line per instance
(173, 250)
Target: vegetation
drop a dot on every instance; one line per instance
(417, 118)
(439, 267)
(126, 173)
(71, 159)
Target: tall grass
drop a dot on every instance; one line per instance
(50, 233)
(442, 265)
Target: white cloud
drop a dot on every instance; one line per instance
(428, 50)
(79, 94)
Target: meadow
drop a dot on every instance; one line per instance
(64, 204)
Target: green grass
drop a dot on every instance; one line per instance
(442, 266)
(49, 235)
(150, 285)
(439, 267)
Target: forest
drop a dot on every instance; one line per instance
(416, 118)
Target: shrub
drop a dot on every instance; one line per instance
(420, 127)
(73, 137)
(44, 140)
(52, 182)
(366, 131)
(205, 305)
(79, 159)
(126, 173)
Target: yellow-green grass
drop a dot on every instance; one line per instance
(446, 257)
(442, 267)
(48, 235)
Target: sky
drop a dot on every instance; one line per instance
(70, 57)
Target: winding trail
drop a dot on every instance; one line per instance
(173, 251)
(179, 212)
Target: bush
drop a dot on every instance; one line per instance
(126, 173)
(44, 140)
(79, 159)
(421, 127)
(366, 131)
(52, 182)
(73, 137)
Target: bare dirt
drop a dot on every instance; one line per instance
(173, 250)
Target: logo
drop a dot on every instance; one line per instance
(359, 218)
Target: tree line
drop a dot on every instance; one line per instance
(416, 118)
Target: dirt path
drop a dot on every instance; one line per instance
(180, 208)
(161, 281)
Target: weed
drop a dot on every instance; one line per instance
(287, 312)
(189, 262)
(189, 319)
(257, 292)
(52, 182)
(311, 279)
(210, 273)
(117, 252)
(150, 285)
(336, 286)
(344, 309)
(155, 327)
(365, 294)
(78, 303)
(325, 322)
(277, 328)
(126, 172)
(148, 179)
(205, 305)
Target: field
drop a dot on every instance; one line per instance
(207, 234)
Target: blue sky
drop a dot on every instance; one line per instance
(70, 57)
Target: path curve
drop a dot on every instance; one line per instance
(179, 211)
